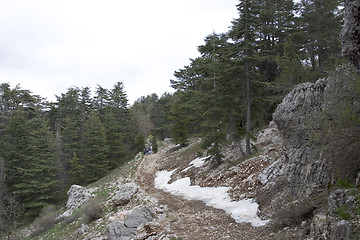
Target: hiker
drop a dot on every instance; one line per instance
(149, 150)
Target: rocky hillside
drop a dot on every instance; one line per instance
(135, 208)
(286, 190)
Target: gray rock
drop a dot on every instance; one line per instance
(124, 195)
(118, 231)
(350, 33)
(340, 231)
(357, 181)
(138, 217)
(273, 171)
(77, 195)
(296, 118)
(83, 229)
(320, 226)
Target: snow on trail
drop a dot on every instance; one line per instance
(217, 197)
(197, 162)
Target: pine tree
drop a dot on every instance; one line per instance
(76, 170)
(154, 145)
(39, 188)
(245, 33)
(321, 21)
(160, 116)
(95, 149)
(180, 119)
(16, 142)
(101, 100)
(62, 163)
(114, 138)
(2, 194)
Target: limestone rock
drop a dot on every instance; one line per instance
(124, 195)
(340, 231)
(77, 195)
(350, 33)
(118, 231)
(273, 171)
(138, 217)
(296, 119)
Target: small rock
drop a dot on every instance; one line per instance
(340, 231)
(83, 229)
(146, 230)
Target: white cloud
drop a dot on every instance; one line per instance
(48, 46)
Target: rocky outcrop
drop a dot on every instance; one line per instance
(125, 193)
(296, 118)
(77, 195)
(350, 33)
(125, 230)
(309, 119)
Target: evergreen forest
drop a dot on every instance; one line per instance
(222, 96)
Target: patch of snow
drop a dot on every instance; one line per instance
(197, 162)
(217, 197)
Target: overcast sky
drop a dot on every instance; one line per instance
(47, 46)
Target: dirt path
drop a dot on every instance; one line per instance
(193, 219)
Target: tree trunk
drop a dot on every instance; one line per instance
(248, 116)
(247, 80)
(2, 193)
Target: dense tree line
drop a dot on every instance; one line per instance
(240, 76)
(46, 147)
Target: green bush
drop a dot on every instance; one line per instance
(343, 212)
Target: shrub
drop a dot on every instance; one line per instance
(343, 212)
(344, 183)
(46, 219)
(294, 214)
(91, 211)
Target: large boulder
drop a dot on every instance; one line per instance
(77, 195)
(124, 195)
